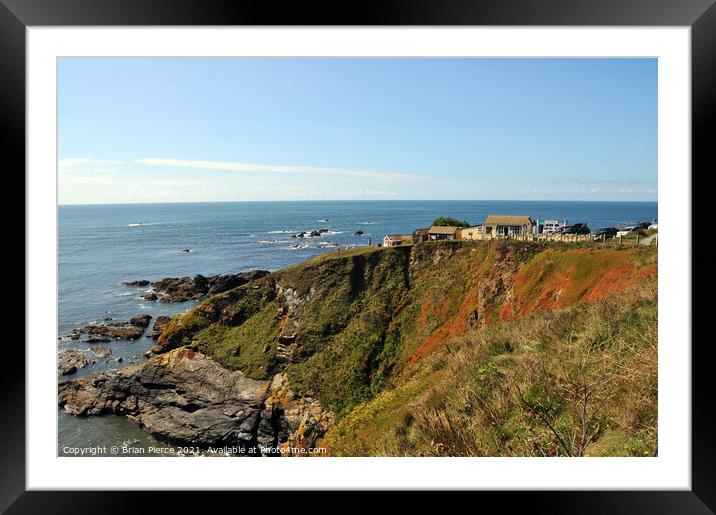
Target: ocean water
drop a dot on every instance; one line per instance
(101, 246)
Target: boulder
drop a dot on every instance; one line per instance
(141, 282)
(100, 352)
(69, 360)
(140, 320)
(131, 330)
(95, 339)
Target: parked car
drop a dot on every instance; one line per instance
(606, 233)
(574, 229)
(626, 230)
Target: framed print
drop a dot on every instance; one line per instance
(420, 249)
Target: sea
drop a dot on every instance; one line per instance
(102, 246)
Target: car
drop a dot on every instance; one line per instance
(606, 232)
(574, 229)
(626, 230)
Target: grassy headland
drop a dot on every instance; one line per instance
(453, 348)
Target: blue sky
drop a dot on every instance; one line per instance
(178, 130)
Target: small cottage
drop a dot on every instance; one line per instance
(393, 240)
(437, 232)
(420, 235)
(499, 225)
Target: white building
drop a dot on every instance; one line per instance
(552, 226)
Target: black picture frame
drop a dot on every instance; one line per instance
(700, 15)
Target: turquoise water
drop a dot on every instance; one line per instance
(101, 246)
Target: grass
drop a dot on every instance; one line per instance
(579, 381)
(367, 320)
(249, 347)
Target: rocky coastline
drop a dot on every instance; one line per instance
(182, 289)
(184, 397)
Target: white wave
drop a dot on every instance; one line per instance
(279, 232)
(276, 241)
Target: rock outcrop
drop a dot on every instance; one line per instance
(182, 289)
(159, 324)
(69, 360)
(187, 398)
(303, 416)
(131, 330)
(100, 352)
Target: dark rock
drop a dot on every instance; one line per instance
(182, 396)
(200, 283)
(94, 339)
(141, 282)
(322, 231)
(140, 320)
(185, 397)
(358, 233)
(69, 360)
(123, 332)
(131, 330)
(287, 339)
(159, 324)
(119, 359)
(315, 233)
(100, 352)
(182, 289)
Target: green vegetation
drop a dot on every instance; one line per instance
(373, 330)
(581, 381)
(450, 222)
(249, 347)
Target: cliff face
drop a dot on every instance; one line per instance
(342, 327)
(343, 324)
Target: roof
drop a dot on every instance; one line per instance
(396, 237)
(422, 231)
(507, 220)
(437, 229)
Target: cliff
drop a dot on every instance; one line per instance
(333, 332)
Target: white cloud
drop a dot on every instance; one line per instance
(84, 165)
(257, 168)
